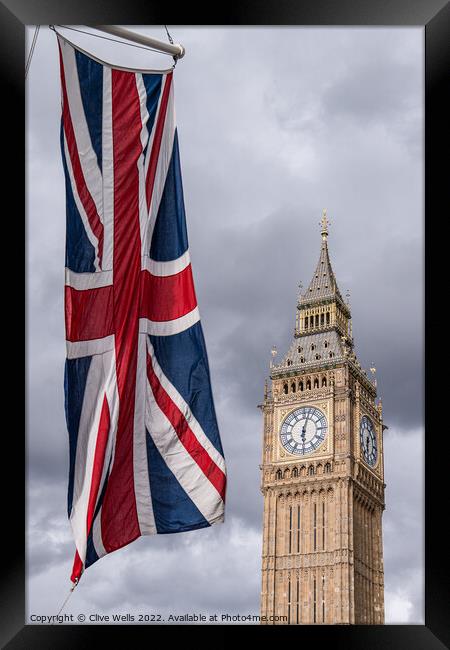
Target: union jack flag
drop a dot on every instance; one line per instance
(145, 450)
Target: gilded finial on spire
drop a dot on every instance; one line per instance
(324, 223)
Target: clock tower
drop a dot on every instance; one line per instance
(322, 470)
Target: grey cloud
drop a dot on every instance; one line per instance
(189, 572)
(403, 531)
(373, 92)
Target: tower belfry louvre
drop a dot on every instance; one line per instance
(322, 474)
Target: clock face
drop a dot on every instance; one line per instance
(303, 430)
(368, 440)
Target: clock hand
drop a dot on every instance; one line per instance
(303, 434)
(306, 421)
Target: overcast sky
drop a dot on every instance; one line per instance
(274, 125)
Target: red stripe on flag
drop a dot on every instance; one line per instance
(187, 437)
(97, 471)
(83, 192)
(89, 313)
(120, 524)
(77, 568)
(99, 460)
(159, 128)
(165, 298)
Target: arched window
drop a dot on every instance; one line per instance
(316, 383)
(317, 320)
(279, 475)
(300, 386)
(331, 355)
(324, 381)
(325, 345)
(308, 384)
(306, 322)
(327, 468)
(293, 387)
(317, 357)
(302, 359)
(295, 472)
(322, 319)
(328, 317)
(285, 389)
(313, 347)
(311, 470)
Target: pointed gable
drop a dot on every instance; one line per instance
(323, 283)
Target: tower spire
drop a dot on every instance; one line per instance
(323, 284)
(324, 223)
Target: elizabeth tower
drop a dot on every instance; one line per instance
(322, 470)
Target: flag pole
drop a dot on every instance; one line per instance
(175, 49)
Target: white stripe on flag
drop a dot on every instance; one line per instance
(112, 396)
(169, 327)
(78, 349)
(86, 443)
(151, 135)
(165, 155)
(194, 425)
(191, 478)
(101, 381)
(92, 238)
(107, 171)
(84, 281)
(143, 213)
(86, 153)
(164, 269)
(144, 504)
(97, 535)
